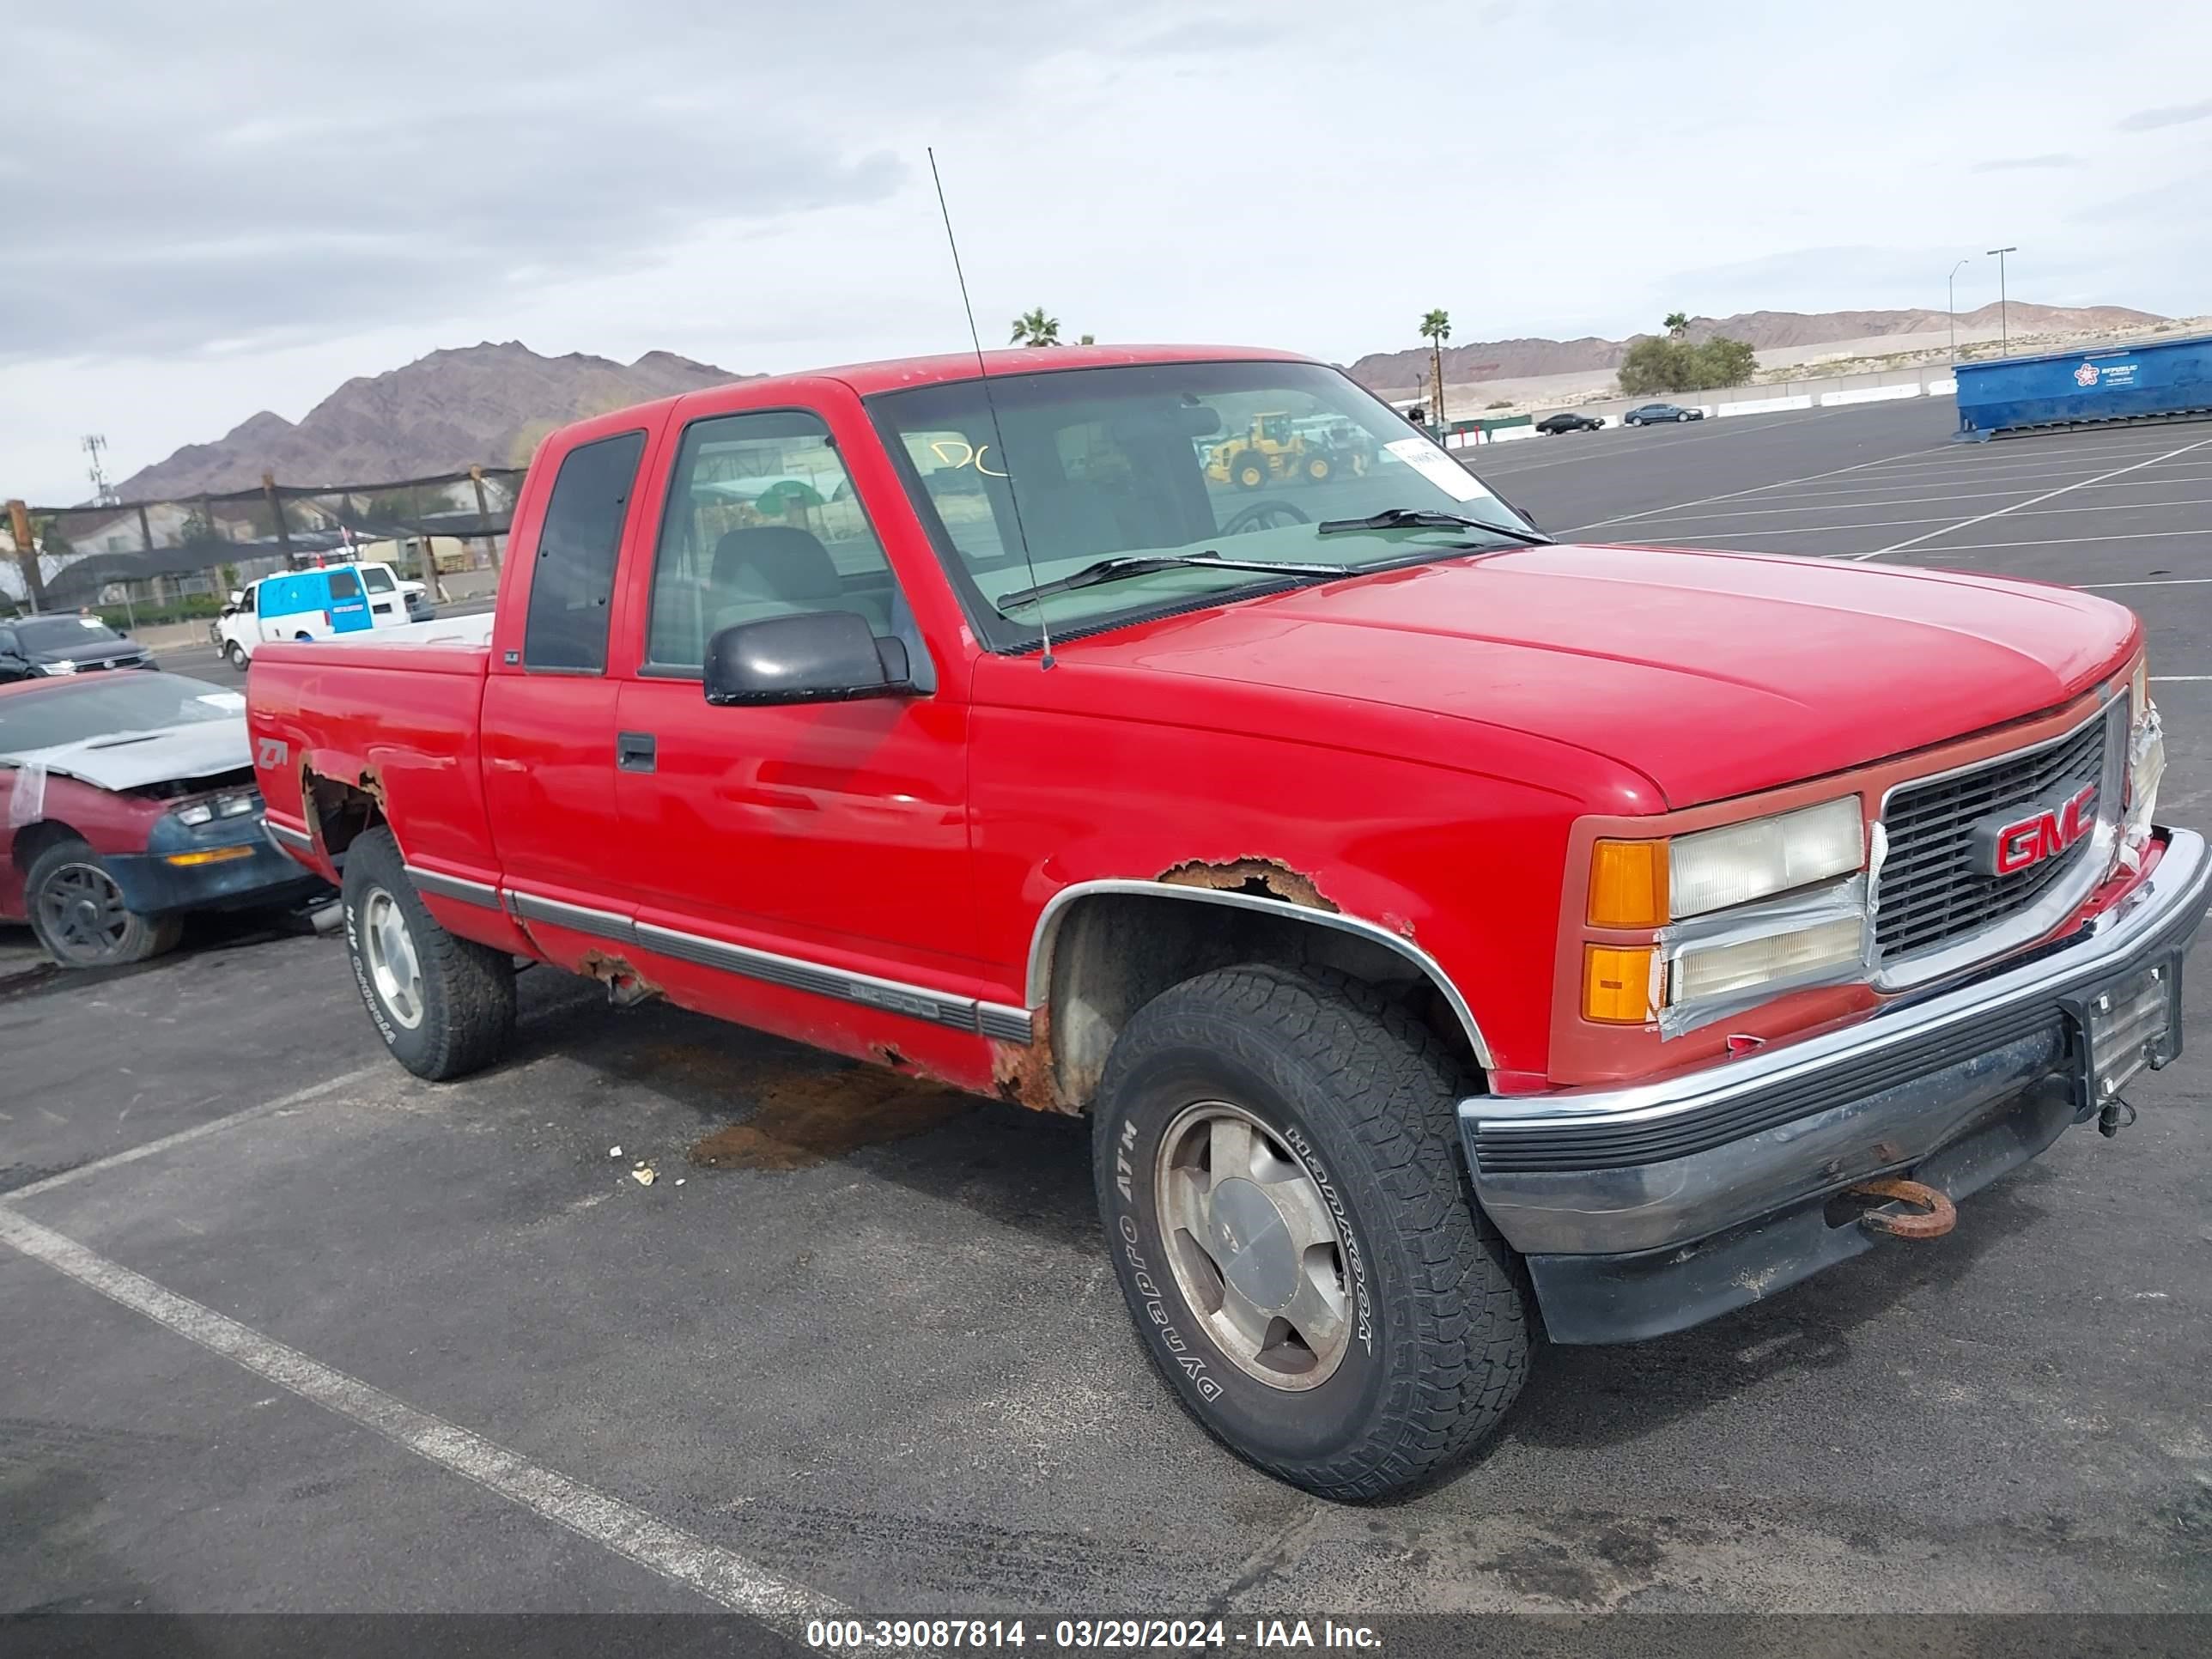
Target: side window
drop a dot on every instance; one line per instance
(575, 577)
(252, 600)
(344, 585)
(376, 578)
(8, 641)
(762, 521)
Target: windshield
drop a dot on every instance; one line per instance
(109, 705)
(1245, 460)
(61, 637)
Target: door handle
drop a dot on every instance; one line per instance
(633, 752)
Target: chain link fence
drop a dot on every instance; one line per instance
(143, 563)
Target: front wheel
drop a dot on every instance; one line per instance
(236, 652)
(77, 912)
(443, 1004)
(1283, 1202)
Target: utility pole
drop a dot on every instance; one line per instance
(102, 496)
(277, 512)
(2004, 335)
(483, 517)
(1951, 301)
(26, 555)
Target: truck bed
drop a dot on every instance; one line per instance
(399, 704)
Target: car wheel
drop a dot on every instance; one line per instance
(1250, 472)
(443, 1004)
(77, 912)
(236, 652)
(1277, 1170)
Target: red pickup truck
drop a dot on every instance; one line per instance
(1446, 929)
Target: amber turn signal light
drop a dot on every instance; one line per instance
(1617, 984)
(1628, 883)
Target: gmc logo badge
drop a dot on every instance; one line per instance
(2005, 846)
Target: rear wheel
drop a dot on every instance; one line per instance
(1277, 1171)
(443, 1004)
(77, 912)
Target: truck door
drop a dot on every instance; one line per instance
(548, 728)
(774, 843)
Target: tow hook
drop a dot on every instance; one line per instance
(2110, 1121)
(1936, 1215)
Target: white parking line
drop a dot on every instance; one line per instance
(2179, 474)
(1915, 541)
(2179, 679)
(1733, 495)
(2155, 581)
(2064, 541)
(1894, 524)
(714, 1573)
(213, 1126)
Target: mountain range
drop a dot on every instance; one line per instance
(1763, 330)
(477, 405)
(488, 405)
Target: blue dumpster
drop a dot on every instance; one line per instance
(2156, 380)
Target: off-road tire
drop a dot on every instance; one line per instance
(1363, 1094)
(467, 989)
(141, 938)
(1250, 472)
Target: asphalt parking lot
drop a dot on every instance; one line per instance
(291, 1331)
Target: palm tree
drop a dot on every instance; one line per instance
(1034, 328)
(1435, 328)
(1678, 323)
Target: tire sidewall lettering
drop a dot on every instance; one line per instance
(1192, 1363)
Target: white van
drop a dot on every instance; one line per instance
(382, 598)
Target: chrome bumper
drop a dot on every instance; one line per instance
(1653, 1166)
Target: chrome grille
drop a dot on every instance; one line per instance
(1929, 893)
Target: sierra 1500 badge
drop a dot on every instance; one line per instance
(2006, 843)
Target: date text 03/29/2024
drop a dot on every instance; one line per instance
(1107, 1634)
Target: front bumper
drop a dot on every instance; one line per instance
(1649, 1207)
(152, 886)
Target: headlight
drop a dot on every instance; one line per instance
(1648, 883)
(1740, 862)
(1720, 970)
(222, 807)
(1716, 945)
(65, 667)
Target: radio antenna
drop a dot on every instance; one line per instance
(984, 373)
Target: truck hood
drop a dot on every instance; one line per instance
(1712, 674)
(131, 760)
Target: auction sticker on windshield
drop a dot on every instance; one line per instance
(1438, 468)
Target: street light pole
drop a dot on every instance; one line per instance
(1951, 301)
(2004, 337)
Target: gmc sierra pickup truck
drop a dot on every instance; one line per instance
(1446, 929)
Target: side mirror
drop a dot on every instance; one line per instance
(237, 597)
(816, 656)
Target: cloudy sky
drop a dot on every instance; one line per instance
(218, 208)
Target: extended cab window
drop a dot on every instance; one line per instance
(761, 522)
(575, 577)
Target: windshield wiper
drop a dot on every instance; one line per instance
(1422, 518)
(1119, 569)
